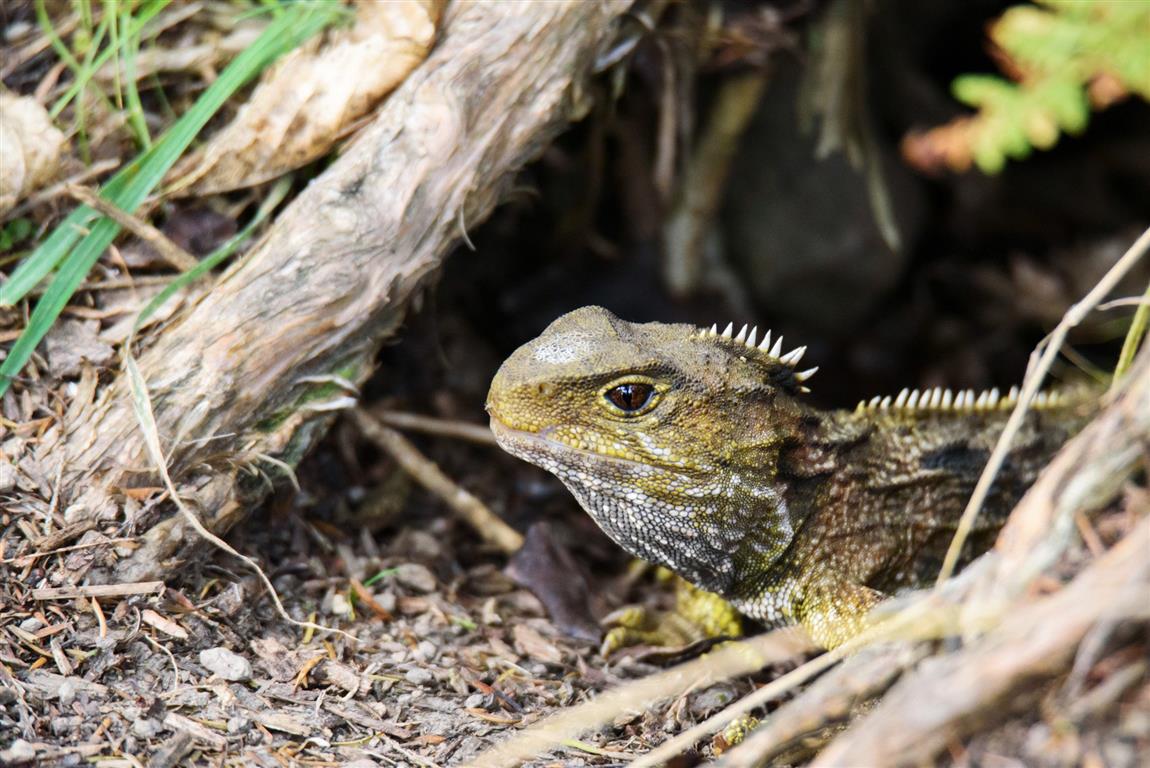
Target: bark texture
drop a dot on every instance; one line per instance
(234, 379)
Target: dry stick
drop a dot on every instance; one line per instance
(1089, 471)
(730, 660)
(1033, 380)
(935, 705)
(830, 700)
(60, 550)
(54, 191)
(98, 590)
(473, 511)
(715, 723)
(475, 433)
(142, 404)
(168, 250)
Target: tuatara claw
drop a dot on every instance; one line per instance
(698, 615)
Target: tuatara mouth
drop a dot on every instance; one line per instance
(525, 444)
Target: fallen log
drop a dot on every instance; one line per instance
(250, 376)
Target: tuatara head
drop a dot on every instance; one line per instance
(668, 435)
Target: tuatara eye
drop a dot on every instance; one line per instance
(630, 397)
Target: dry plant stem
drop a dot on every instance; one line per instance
(169, 251)
(717, 722)
(470, 509)
(830, 700)
(429, 425)
(49, 193)
(98, 590)
(701, 190)
(331, 280)
(725, 662)
(1085, 475)
(921, 715)
(1034, 378)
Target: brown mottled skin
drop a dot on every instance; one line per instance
(696, 451)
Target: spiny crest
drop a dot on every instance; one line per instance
(963, 401)
(770, 354)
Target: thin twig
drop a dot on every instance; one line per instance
(730, 660)
(473, 511)
(715, 723)
(926, 617)
(1128, 301)
(59, 550)
(1031, 383)
(60, 188)
(99, 590)
(395, 745)
(429, 425)
(168, 250)
(828, 701)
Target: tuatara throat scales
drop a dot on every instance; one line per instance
(694, 449)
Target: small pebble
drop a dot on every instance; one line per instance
(19, 751)
(226, 664)
(31, 624)
(339, 604)
(146, 728)
(416, 577)
(238, 725)
(419, 676)
(422, 545)
(426, 650)
(67, 691)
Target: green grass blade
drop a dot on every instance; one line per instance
(142, 17)
(131, 48)
(131, 185)
(1134, 336)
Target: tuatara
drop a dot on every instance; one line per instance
(694, 449)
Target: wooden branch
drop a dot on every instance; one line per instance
(229, 380)
(960, 693)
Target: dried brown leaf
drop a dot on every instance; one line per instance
(530, 643)
(947, 147)
(29, 148)
(313, 98)
(164, 624)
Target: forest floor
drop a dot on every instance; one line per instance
(458, 646)
(454, 646)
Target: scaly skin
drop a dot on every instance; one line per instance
(694, 450)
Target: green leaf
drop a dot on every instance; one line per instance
(15, 232)
(977, 90)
